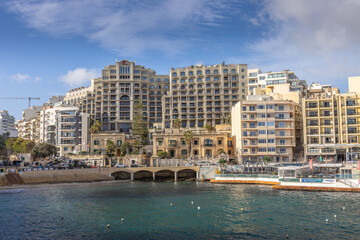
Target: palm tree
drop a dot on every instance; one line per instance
(209, 128)
(110, 148)
(95, 127)
(177, 123)
(188, 136)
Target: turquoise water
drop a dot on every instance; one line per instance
(82, 211)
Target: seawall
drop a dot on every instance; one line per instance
(58, 176)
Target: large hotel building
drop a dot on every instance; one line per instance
(111, 98)
(196, 94)
(202, 95)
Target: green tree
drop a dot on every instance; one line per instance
(177, 123)
(266, 159)
(95, 127)
(2, 146)
(43, 150)
(162, 154)
(19, 145)
(188, 136)
(139, 127)
(209, 128)
(110, 148)
(226, 119)
(125, 148)
(222, 163)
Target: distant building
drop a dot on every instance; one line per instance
(66, 127)
(29, 129)
(269, 80)
(264, 127)
(7, 124)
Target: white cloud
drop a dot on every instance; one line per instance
(18, 77)
(22, 78)
(79, 76)
(127, 27)
(318, 39)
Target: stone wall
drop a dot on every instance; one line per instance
(62, 176)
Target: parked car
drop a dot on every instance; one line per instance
(189, 164)
(204, 163)
(118, 165)
(61, 166)
(134, 165)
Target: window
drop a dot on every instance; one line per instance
(262, 141)
(270, 124)
(96, 142)
(271, 140)
(271, 149)
(219, 142)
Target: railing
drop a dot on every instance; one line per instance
(350, 183)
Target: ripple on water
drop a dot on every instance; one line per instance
(227, 212)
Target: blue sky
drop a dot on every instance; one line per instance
(49, 47)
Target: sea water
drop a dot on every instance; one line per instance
(164, 211)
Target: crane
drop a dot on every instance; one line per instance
(28, 98)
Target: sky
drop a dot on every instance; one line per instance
(50, 46)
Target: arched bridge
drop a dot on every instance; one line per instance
(155, 173)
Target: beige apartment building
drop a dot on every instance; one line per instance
(264, 127)
(202, 95)
(204, 145)
(331, 123)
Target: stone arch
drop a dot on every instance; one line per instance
(143, 175)
(125, 98)
(186, 175)
(121, 175)
(165, 175)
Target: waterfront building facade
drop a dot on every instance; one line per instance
(204, 144)
(66, 127)
(99, 140)
(331, 124)
(264, 127)
(7, 124)
(202, 95)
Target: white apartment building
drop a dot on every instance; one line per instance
(257, 79)
(29, 126)
(30, 129)
(66, 127)
(7, 124)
